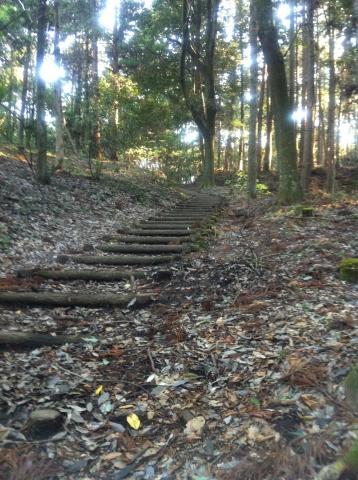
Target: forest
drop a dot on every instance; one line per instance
(188, 90)
(178, 239)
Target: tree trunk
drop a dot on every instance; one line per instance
(307, 160)
(304, 79)
(292, 55)
(42, 169)
(260, 119)
(218, 159)
(289, 184)
(197, 59)
(24, 90)
(267, 154)
(209, 160)
(60, 149)
(242, 114)
(321, 137)
(95, 141)
(338, 126)
(330, 160)
(252, 154)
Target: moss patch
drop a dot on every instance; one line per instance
(348, 269)
(351, 387)
(307, 211)
(351, 457)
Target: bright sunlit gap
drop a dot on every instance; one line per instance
(299, 115)
(50, 71)
(347, 134)
(107, 16)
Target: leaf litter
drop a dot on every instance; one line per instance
(237, 375)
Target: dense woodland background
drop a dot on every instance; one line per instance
(184, 87)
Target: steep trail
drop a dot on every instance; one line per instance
(159, 241)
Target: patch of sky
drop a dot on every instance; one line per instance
(50, 71)
(189, 133)
(107, 15)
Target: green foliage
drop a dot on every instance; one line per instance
(5, 240)
(351, 385)
(349, 270)
(238, 181)
(351, 457)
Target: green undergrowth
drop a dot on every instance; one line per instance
(349, 270)
(238, 181)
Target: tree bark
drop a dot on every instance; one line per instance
(24, 90)
(60, 149)
(292, 55)
(267, 154)
(42, 169)
(252, 153)
(307, 160)
(260, 119)
(321, 137)
(330, 160)
(289, 184)
(95, 150)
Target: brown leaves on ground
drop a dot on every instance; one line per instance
(22, 464)
(14, 283)
(303, 371)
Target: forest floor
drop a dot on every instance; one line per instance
(237, 375)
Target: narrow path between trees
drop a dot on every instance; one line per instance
(224, 363)
(157, 241)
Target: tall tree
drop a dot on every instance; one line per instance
(289, 184)
(95, 138)
(252, 153)
(260, 112)
(197, 76)
(42, 169)
(330, 159)
(60, 149)
(24, 91)
(307, 160)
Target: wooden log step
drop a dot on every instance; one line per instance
(195, 212)
(152, 240)
(149, 249)
(161, 233)
(179, 219)
(167, 226)
(120, 259)
(191, 221)
(55, 299)
(30, 339)
(86, 275)
(194, 208)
